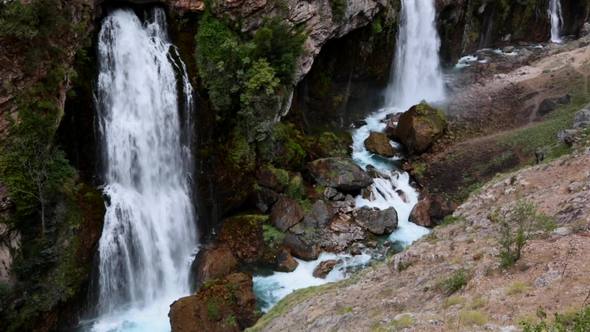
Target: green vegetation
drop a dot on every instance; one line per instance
(338, 9)
(213, 311)
(454, 282)
(454, 300)
(450, 220)
(542, 135)
(472, 317)
(517, 287)
(245, 75)
(574, 322)
(272, 236)
(516, 228)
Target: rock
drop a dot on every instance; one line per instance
(440, 207)
(212, 263)
(319, 216)
(392, 121)
(244, 236)
(339, 173)
(302, 247)
(376, 221)
(342, 233)
(265, 198)
(420, 214)
(582, 119)
(550, 104)
(324, 268)
(286, 262)
(358, 123)
(273, 178)
(330, 193)
(286, 213)
(378, 143)
(227, 304)
(420, 127)
(567, 136)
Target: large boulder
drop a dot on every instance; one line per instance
(342, 233)
(378, 143)
(286, 213)
(340, 173)
(582, 119)
(420, 214)
(227, 304)
(245, 236)
(420, 127)
(548, 105)
(319, 216)
(212, 263)
(376, 221)
(302, 246)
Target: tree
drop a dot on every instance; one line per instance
(31, 167)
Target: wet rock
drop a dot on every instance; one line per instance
(420, 127)
(582, 119)
(550, 104)
(286, 262)
(286, 213)
(378, 143)
(324, 268)
(420, 214)
(302, 246)
(339, 173)
(359, 123)
(330, 193)
(212, 263)
(319, 216)
(376, 221)
(226, 305)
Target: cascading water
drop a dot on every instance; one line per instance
(416, 77)
(556, 17)
(149, 232)
(416, 68)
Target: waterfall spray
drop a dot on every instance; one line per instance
(556, 17)
(149, 232)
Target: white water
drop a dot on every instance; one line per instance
(556, 18)
(149, 232)
(416, 77)
(416, 69)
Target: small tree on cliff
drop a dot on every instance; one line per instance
(31, 167)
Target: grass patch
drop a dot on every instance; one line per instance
(543, 134)
(517, 288)
(403, 321)
(450, 220)
(573, 321)
(454, 300)
(472, 317)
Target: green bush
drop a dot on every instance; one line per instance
(516, 228)
(338, 9)
(577, 322)
(455, 282)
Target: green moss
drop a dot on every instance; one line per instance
(213, 311)
(273, 237)
(295, 188)
(339, 8)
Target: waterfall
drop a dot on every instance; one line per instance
(416, 68)
(149, 231)
(556, 17)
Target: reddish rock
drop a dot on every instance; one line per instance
(324, 268)
(378, 143)
(420, 214)
(212, 263)
(420, 127)
(227, 305)
(286, 262)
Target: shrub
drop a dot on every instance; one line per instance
(579, 321)
(516, 228)
(472, 317)
(272, 236)
(455, 282)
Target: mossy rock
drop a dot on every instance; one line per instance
(420, 127)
